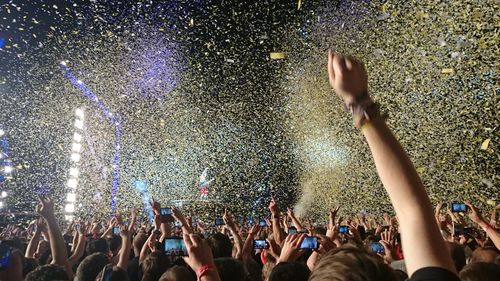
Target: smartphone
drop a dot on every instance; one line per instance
(219, 221)
(260, 244)
(377, 248)
(116, 230)
(263, 223)
(250, 222)
(458, 207)
(468, 231)
(292, 230)
(343, 229)
(310, 242)
(166, 214)
(457, 230)
(174, 246)
(5, 253)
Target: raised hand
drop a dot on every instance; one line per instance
(199, 254)
(45, 207)
(291, 248)
(347, 77)
(273, 207)
(474, 214)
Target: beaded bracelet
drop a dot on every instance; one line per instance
(363, 109)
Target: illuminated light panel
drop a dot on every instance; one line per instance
(4, 194)
(69, 208)
(74, 172)
(71, 197)
(79, 113)
(79, 124)
(8, 169)
(76, 147)
(77, 137)
(75, 157)
(72, 183)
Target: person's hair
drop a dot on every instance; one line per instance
(319, 230)
(90, 267)
(267, 268)
(457, 254)
(99, 245)
(486, 254)
(116, 274)
(154, 265)
(138, 242)
(114, 242)
(351, 263)
(29, 265)
(230, 269)
(221, 245)
(177, 273)
(289, 271)
(49, 272)
(480, 271)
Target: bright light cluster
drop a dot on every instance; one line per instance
(75, 157)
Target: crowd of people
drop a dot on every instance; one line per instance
(419, 243)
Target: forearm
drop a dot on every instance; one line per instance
(311, 261)
(32, 245)
(124, 253)
(296, 223)
(238, 242)
(492, 233)
(75, 242)
(57, 245)
(278, 232)
(409, 199)
(79, 250)
(145, 248)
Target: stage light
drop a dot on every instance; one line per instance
(1, 204)
(72, 183)
(69, 208)
(4, 194)
(2, 132)
(76, 147)
(68, 217)
(74, 172)
(75, 157)
(63, 63)
(77, 137)
(8, 169)
(79, 124)
(71, 197)
(79, 82)
(79, 113)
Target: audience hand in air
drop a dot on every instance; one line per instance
(347, 76)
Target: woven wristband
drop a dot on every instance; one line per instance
(204, 270)
(363, 110)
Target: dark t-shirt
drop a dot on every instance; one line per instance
(433, 274)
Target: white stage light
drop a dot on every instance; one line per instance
(4, 194)
(71, 197)
(74, 172)
(72, 183)
(69, 208)
(79, 82)
(68, 217)
(76, 147)
(75, 157)
(63, 63)
(8, 169)
(2, 132)
(77, 137)
(1, 204)
(79, 124)
(79, 113)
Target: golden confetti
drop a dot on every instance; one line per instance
(277, 55)
(485, 144)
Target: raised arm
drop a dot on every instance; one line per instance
(476, 217)
(294, 219)
(238, 242)
(125, 250)
(35, 239)
(279, 234)
(80, 245)
(410, 201)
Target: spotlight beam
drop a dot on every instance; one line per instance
(114, 119)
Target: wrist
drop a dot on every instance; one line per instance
(205, 270)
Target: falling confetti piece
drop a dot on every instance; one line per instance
(485, 144)
(277, 55)
(447, 70)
